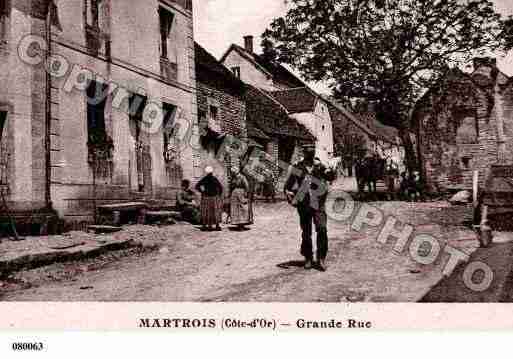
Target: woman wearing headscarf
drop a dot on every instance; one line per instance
(211, 200)
(241, 206)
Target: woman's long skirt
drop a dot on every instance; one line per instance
(240, 208)
(211, 210)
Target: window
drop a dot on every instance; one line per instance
(465, 161)
(96, 101)
(466, 126)
(93, 10)
(166, 26)
(236, 71)
(323, 127)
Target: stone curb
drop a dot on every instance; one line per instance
(42, 259)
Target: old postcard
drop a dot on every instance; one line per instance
(270, 164)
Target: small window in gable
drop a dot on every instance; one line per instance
(236, 71)
(214, 113)
(466, 162)
(96, 100)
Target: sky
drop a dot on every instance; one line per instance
(219, 23)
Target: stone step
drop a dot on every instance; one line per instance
(103, 229)
(120, 207)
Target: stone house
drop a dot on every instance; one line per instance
(465, 124)
(272, 129)
(77, 135)
(221, 112)
(269, 83)
(310, 110)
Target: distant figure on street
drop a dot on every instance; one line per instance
(404, 187)
(186, 204)
(211, 200)
(307, 189)
(241, 206)
(269, 191)
(415, 187)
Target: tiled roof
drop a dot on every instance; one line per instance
(277, 71)
(297, 100)
(266, 114)
(209, 70)
(255, 132)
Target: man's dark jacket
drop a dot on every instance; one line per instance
(321, 174)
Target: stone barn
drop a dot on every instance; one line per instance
(75, 137)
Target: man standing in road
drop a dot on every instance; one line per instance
(307, 189)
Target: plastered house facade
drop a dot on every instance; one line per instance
(80, 137)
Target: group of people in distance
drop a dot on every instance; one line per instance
(209, 211)
(410, 186)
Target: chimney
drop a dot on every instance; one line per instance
(248, 43)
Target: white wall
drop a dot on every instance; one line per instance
(320, 126)
(248, 72)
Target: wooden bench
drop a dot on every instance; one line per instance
(116, 213)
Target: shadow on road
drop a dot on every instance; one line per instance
(291, 264)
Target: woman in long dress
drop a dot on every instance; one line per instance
(241, 206)
(211, 200)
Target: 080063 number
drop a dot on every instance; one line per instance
(27, 346)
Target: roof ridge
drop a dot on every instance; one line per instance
(272, 99)
(352, 117)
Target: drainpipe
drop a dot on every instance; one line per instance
(48, 106)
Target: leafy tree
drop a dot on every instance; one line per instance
(386, 52)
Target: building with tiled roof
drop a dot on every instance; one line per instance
(280, 107)
(258, 70)
(296, 100)
(221, 112)
(269, 116)
(310, 110)
(357, 135)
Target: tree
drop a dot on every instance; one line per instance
(384, 51)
